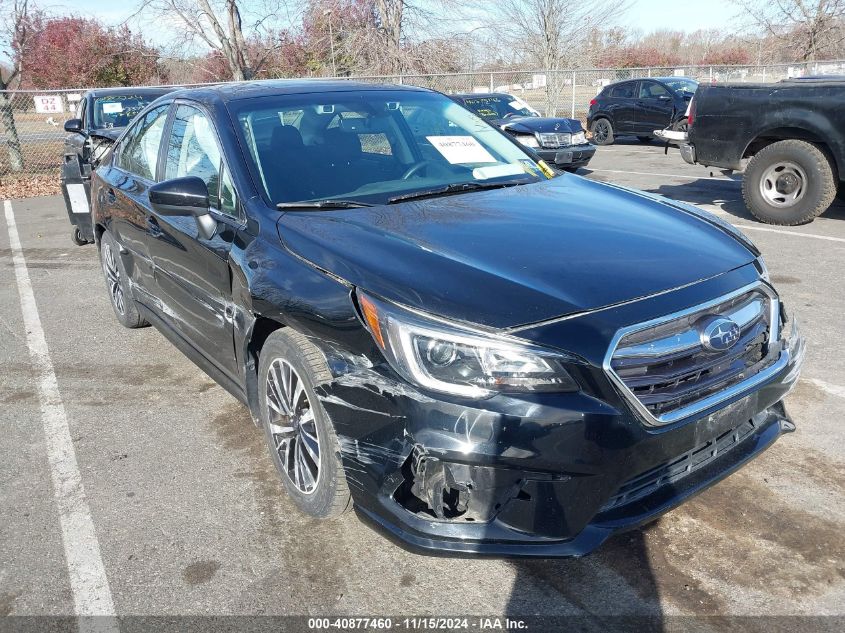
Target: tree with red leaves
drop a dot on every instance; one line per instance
(80, 52)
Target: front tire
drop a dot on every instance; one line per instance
(117, 283)
(602, 132)
(299, 434)
(789, 182)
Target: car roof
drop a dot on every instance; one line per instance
(673, 78)
(131, 90)
(475, 95)
(249, 89)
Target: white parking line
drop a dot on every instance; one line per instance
(88, 581)
(651, 173)
(748, 227)
(834, 390)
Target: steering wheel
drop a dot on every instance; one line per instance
(413, 169)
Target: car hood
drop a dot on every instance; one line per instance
(531, 124)
(111, 133)
(508, 257)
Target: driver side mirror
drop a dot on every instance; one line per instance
(184, 196)
(73, 126)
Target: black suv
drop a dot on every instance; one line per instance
(638, 107)
(479, 357)
(101, 116)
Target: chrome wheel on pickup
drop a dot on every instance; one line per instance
(788, 182)
(783, 184)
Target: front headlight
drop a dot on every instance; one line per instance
(449, 358)
(529, 140)
(579, 138)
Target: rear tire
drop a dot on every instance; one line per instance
(682, 125)
(302, 443)
(789, 182)
(602, 132)
(117, 283)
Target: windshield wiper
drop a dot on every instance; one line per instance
(458, 187)
(323, 204)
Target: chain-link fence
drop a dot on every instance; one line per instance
(32, 134)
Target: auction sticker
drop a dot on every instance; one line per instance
(460, 150)
(112, 108)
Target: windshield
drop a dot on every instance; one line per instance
(371, 146)
(498, 107)
(682, 85)
(118, 110)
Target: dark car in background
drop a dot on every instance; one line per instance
(558, 141)
(478, 357)
(637, 107)
(101, 116)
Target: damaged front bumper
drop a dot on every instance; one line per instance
(545, 475)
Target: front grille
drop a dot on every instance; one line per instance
(666, 366)
(648, 482)
(555, 139)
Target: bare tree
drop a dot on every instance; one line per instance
(243, 33)
(15, 34)
(809, 28)
(553, 33)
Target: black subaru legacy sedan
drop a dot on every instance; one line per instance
(478, 357)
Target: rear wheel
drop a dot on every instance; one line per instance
(788, 183)
(602, 132)
(299, 434)
(76, 237)
(681, 126)
(117, 282)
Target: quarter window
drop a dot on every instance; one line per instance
(139, 154)
(193, 151)
(623, 91)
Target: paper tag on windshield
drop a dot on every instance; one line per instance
(460, 150)
(112, 108)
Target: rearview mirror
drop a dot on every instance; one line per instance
(184, 196)
(74, 126)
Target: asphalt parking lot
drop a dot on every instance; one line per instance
(188, 516)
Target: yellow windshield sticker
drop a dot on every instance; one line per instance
(548, 172)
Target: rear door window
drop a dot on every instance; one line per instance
(139, 151)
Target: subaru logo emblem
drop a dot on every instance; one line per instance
(557, 126)
(718, 334)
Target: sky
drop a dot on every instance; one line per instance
(644, 15)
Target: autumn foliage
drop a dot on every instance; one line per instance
(74, 51)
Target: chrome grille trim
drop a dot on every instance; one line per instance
(713, 399)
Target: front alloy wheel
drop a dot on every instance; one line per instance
(293, 426)
(299, 433)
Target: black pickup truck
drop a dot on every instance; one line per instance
(789, 137)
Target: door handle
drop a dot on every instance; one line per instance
(153, 227)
